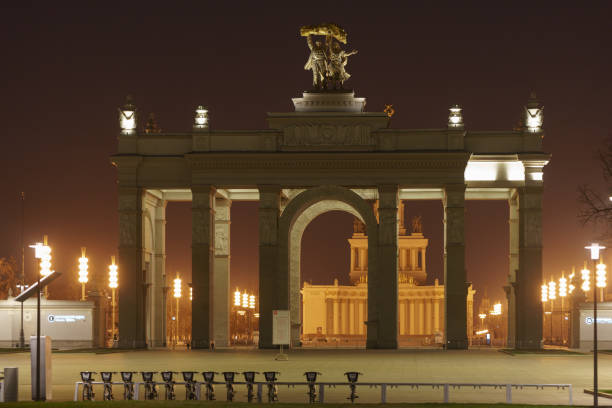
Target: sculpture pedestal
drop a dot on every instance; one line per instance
(329, 101)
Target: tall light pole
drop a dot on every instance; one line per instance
(113, 283)
(562, 295)
(83, 270)
(177, 296)
(21, 336)
(552, 295)
(595, 248)
(42, 251)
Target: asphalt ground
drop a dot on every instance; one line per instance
(439, 366)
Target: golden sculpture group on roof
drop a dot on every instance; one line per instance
(327, 59)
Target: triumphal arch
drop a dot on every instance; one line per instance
(328, 154)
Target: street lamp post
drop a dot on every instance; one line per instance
(83, 267)
(562, 295)
(544, 299)
(113, 283)
(595, 248)
(552, 295)
(177, 296)
(42, 252)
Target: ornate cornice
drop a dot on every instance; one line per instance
(426, 161)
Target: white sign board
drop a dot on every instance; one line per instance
(604, 325)
(281, 327)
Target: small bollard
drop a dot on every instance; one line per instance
(11, 384)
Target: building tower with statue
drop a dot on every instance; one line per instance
(337, 314)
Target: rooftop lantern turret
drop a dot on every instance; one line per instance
(201, 119)
(534, 114)
(455, 118)
(127, 117)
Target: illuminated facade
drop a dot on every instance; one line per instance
(329, 154)
(338, 313)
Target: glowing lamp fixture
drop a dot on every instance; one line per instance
(544, 293)
(497, 309)
(113, 276)
(83, 267)
(237, 298)
(177, 287)
(190, 293)
(455, 119)
(595, 248)
(562, 286)
(252, 302)
(127, 117)
(552, 290)
(201, 118)
(245, 300)
(600, 275)
(42, 251)
(482, 315)
(534, 115)
(586, 279)
(571, 278)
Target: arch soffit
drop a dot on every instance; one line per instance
(299, 206)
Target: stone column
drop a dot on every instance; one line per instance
(455, 286)
(513, 266)
(158, 284)
(387, 267)
(351, 316)
(428, 317)
(411, 314)
(402, 318)
(529, 274)
(273, 289)
(436, 311)
(221, 277)
(131, 280)
(202, 263)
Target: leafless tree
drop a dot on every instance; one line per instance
(596, 206)
(8, 277)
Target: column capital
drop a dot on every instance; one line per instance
(454, 195)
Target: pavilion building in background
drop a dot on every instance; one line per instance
(336, 314)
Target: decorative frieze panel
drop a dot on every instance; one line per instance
(327, 135)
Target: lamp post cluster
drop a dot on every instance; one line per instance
(245, 317)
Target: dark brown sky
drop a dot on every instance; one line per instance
(66, 66)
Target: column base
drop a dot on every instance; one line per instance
(132, 344)
(457, 344)
(200, 344)
(528, 344)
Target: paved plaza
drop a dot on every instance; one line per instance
(473, 366)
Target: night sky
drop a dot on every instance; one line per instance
(67, 66)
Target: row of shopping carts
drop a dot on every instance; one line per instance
(193, 387)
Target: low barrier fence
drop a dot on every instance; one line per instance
(445, 388)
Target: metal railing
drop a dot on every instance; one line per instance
(384, 387)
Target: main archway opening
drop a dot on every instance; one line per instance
(487, 262)
(334, 306)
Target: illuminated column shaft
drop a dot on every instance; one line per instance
(513, 266)
(351, 316)
(428, 317)
(155, 264)
(402, 318)
(385, 292)
(273, 289)
(202, 259)
(436, 316)
(529, 274)
(411, 321)
(221, 283)
(455, 286)
(131, 289)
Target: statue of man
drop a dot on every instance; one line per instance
(317, 61)
(338, 58)
(417, 226)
